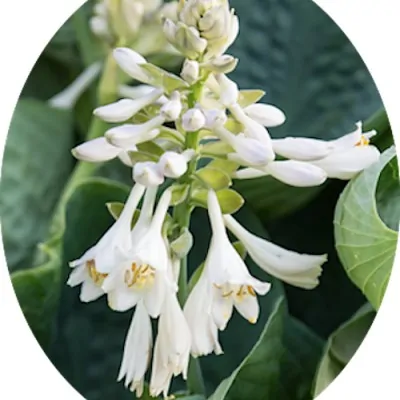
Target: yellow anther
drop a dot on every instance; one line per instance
(251, 291)
(139, 276)
(96, 276)
(364, 141)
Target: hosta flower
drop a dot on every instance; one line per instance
(137, 351)
(198, 314)
(174, 165)
(172, 347)
(125, 109)
(97, 263)
(143, 273)
(230, 283)
(300, 270)
(148, 174)
(99, 150)
(342, 158)
(291, 172)
(193, 120)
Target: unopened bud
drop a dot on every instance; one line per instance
(215, 118)
(173, 108)
(148, 174)
(190, 71)
(193, 120)
(229, 90)
(222, 64)
(173, 165)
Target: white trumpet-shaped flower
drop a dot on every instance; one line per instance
(231, 283)
(96, 264)
(198, 314)
(300, 270)
(128, 135)
(148, 174)
(130, 61)
(143, 274)
(249, 151)
(291, 172)
(100, 150)
(172, 347)
(137, 351)
(124, 109)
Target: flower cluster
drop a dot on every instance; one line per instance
(135, 23)
(162, 129)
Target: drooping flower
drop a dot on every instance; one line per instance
(300, 270)
(229, 280)
(98, 262)
(144, 271)
(198, 314)
(137, 351)
(172, 347)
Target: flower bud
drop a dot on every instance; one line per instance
(173, 165)
(99, 26)
(222, 64)
(173, 108)
(190, 71)
(147, 174)
(215, 118)
(229, 90)
(132, 13)
(193, 120)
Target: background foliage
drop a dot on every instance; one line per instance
(307, 66)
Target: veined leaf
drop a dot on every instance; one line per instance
(366, 245)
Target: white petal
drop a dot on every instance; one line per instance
(125, 108)
(77, 275)
(124, 157)
(130, 61)
(222, 308)
(266, 114)
(173, 165)
(347, 164)
(249, 173)
(128, 135)
(248, 308)
(302, 149)
(300, 270)
(349, 140)
(297, 173)
(136, 92)
(96, 150)
(193, 120)
(123, 298)
(154, 299)
(228, 89)
(90, 292)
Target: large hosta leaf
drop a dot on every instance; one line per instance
(37, 162)
(341, 347)
(365, 243)
(307, 66)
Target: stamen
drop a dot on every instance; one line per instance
(225, 295)
(251, 291)
(139, 276)
(364, 141)
(96, 277)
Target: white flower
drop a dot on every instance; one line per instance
(300, 270)
(145, 272)
(137, 350)
(231, 283)
(198, 313)
(291, 172)
(229, 91)
(99, 150)
(171, 110)
(265, 114)
(126, 108)
(96, 263)
(136, 92)
(128, 135)
(249, 151)
(193, 120)
(190, 71)
(173, 165)
(215, 118)
(172, 347)
(130, 61)
(221, 65)
(348, 163)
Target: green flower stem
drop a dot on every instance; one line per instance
(182, 214)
